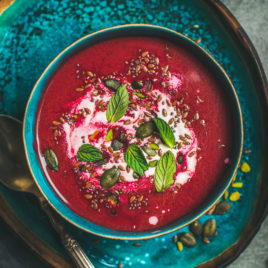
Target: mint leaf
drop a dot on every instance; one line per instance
(164, 172)
(109, 135)
(117, 105)
(89, 153)
(165, 132)
(135, 159)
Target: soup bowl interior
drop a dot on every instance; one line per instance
(124, 31)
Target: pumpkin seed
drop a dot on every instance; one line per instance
(148, 151)
(139, 95)
(180, 159)
(100, 162)
(136, 176)
(137, 85)
(209, 229)
(51, 160)
(196, 228)
(116, 145)
(111, 84)
(145, 130)
(109, 177)
(187, 239)
(154, 146)
(153, 163)
(222, 208)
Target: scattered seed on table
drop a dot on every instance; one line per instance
(245, 167)
(222, 208)
(237, 184)
(179, 245)
(235, 196)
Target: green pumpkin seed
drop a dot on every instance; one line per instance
(139, 95)
(187, 239)
(109, 177)
(154, 146)
(111, 84)
(153, 163)
(222, 208)
(51, 160)
(137, 85)
(180, 159)
(136, 176)
(148, 150)
(209, 228)
(196, 228)
(116, 145)
(100, 162)
(145, 130)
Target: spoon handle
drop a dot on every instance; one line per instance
(71, 245)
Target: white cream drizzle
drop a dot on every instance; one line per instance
(77, 133)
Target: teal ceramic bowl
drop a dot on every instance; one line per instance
(122, 31)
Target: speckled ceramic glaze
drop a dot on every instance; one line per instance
(33, 33)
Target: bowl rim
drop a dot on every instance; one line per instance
(58, 204)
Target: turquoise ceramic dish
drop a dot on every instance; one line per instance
(119, 31)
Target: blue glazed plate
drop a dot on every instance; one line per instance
(32, 33)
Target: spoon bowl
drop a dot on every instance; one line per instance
(15, 174)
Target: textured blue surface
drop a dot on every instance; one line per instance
(32, 35)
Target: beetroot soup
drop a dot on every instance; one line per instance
(133, 133)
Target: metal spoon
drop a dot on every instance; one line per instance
(15, 175)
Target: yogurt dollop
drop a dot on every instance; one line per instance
(95, 121)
